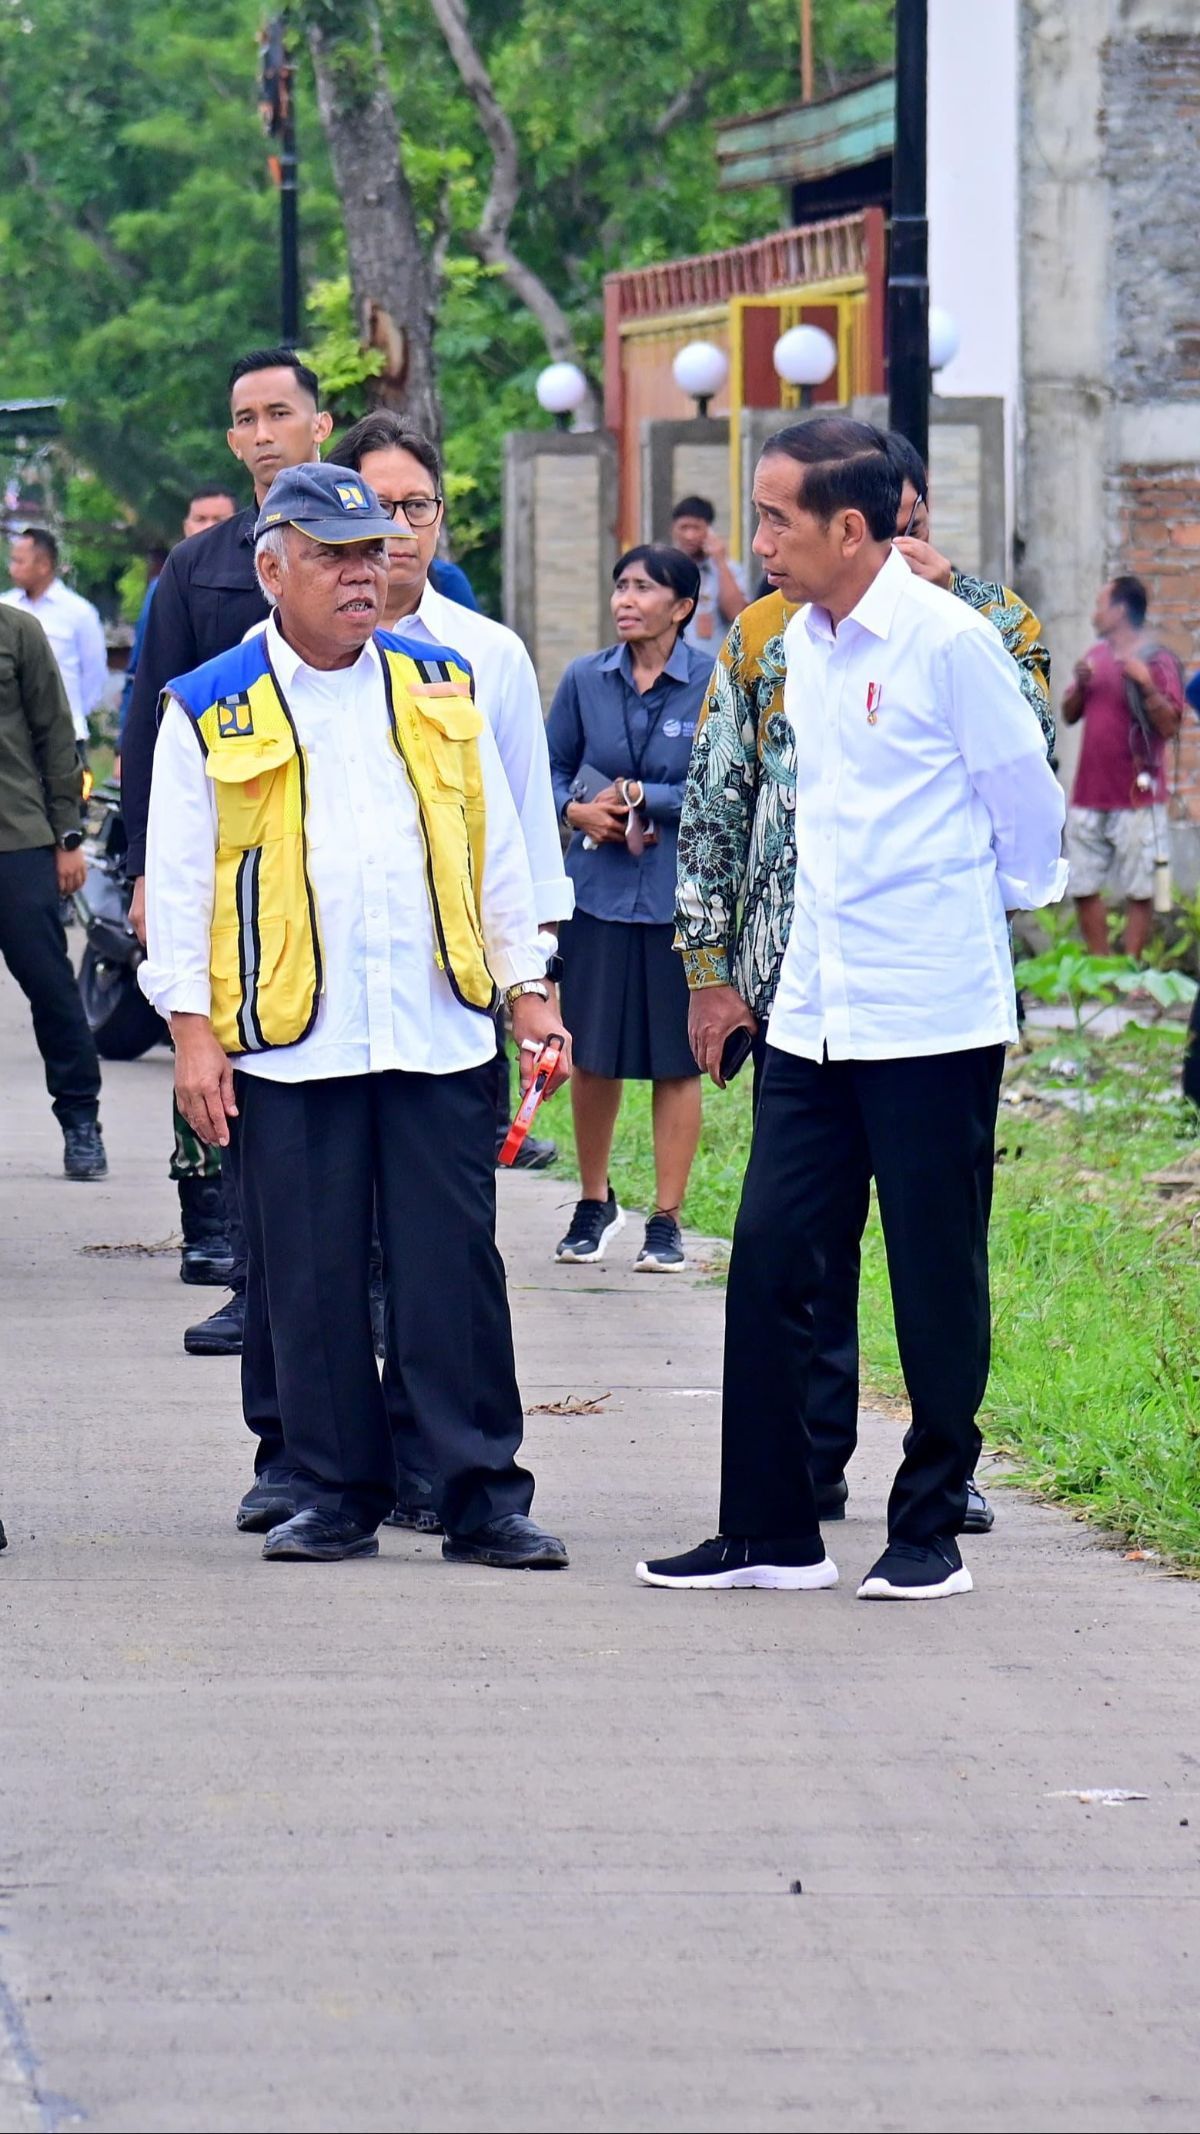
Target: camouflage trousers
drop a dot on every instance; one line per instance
(192, 1157)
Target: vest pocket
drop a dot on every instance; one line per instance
(244, 960)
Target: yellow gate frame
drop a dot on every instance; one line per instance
(849, 295)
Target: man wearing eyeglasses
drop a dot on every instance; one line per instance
(403, 471)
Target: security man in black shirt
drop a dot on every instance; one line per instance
(206, 599)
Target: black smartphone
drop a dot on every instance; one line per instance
(736, 1051)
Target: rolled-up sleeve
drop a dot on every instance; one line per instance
(509, 917)
(181, 844)
(520, 732)
(1004, 750)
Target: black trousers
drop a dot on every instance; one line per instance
(833, 1372)
(925, 1130)
(33, 944)
(314, 1159)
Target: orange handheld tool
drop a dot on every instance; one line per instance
(544, 1066)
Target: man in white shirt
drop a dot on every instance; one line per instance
(70, 622)
(404, 470)
(336, 881)
(925, 809)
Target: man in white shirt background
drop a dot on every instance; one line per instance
(70, 622)
(925, 809)
(306, 918)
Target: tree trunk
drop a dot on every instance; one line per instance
(491, 240)
(391, 277)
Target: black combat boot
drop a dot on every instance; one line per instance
(206, 1256)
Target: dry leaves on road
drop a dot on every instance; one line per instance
(574, 1404)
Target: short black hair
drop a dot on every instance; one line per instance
(694, 507)
(42, 538)
(201, 494)
(277, 359)
(385, 431)
(909, 463)
(846, 465)
(667, 566)
(1133, 597)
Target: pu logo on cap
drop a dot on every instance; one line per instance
(234, 718)
(351, 496)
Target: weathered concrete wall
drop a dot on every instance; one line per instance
(1111, 315)
(560, 503)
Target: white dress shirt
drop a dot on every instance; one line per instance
(925, 809)
(76, 636)
(385, 1004)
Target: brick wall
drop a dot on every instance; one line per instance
(1157, 536)
(1150, 120)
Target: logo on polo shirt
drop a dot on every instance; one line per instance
(234, 718)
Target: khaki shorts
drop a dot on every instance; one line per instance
(1111, 848)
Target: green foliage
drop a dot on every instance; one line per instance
(138, 225)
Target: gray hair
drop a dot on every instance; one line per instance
(271, 543)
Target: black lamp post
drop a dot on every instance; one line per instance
(277, 106)
(908, 278)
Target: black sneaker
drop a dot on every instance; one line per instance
(774, 1561)
(269, 1500)
(908, 1572)
(592, 1225)
(221, 1333)
(534, 1155)
(662, 1249)
(83, 1151)
(980, 1518)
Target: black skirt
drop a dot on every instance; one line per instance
(625, 1000)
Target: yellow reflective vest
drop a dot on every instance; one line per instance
(266, 957)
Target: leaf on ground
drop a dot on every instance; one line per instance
(574, 1404)
(1098, 1796)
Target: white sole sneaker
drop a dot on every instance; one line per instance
(770, 1577)
(642, 1266)
(588, 1259)
(880, 1589)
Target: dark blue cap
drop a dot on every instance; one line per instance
(327, 503)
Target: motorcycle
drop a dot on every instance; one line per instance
(120, 1017)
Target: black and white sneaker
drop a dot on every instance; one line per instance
(662, 1248)
(592, 1225)
(775, 1562)
(908, 1572)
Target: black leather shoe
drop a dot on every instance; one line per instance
(83, 1151)
(831, 1500)
(534, 1155)
(221, 1333)
(980, 1518)
(314, 1536)
(267, 1503)
(511, 1544)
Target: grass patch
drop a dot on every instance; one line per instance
(1095, 1385)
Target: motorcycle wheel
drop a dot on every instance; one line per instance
(119, 1016)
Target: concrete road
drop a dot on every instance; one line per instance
(389, 1845)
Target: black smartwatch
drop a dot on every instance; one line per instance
(70, 841)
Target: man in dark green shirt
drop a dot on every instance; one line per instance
(41, 862)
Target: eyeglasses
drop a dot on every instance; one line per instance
(918, 505)
(418, 510)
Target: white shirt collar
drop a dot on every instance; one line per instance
(288, 663)
(875, 610)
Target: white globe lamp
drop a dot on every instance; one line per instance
(805, 356)
(943, 337)
(700, 370)
(561, 388)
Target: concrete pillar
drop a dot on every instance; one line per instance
(560, 508)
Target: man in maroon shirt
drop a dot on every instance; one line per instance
(1129, 693)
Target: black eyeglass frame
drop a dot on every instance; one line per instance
(400, 509)
(918, 501)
